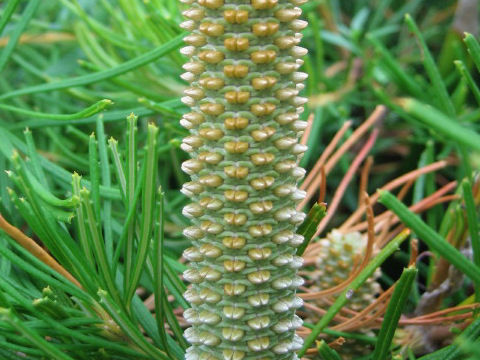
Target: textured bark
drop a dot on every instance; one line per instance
(244, 130)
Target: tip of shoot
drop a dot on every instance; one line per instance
(132, 117)
(403, 102)
(381, 192)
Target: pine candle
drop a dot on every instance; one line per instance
(244, 131)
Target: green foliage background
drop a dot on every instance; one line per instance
(72, 71)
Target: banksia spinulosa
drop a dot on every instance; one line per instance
(339, 254)
(336, 259)
(244, 130)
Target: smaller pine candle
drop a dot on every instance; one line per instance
(338, 255)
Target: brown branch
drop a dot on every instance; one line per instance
(308, 130)
(363, 187)
(328, 151)
(393, 185)
(33, 248)
(346, 181)
(46, 38)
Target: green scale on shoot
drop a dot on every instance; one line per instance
(244, 146)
